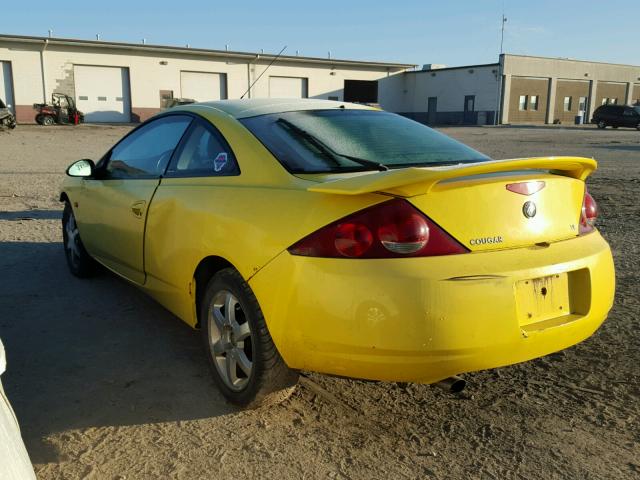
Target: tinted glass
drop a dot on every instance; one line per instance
(146, 152)
(321, 140)
(203, 153)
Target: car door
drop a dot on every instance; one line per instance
(120, 194)
(191, 214)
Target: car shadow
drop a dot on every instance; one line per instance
(90, 353)
(31, 215)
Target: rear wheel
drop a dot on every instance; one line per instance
(245, 363)
(601, 124)
(79, 261)
(47, 120)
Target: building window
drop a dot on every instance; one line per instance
(567, 104)
(534, 102)
(523, 103)
(605, 101)
(613, 101)
(582, 105)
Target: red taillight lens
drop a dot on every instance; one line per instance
(589, 213)
(387, 230)
(352, 239)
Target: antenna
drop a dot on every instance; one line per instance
(272, 62)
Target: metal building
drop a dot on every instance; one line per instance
(121, 82)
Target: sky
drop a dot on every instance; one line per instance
(450, 32)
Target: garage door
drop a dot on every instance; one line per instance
(102, 93)
(288, 87)
(6, 85)
(203, 86)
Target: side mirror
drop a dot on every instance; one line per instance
(81, 168)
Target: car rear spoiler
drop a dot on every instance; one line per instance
(407, 182)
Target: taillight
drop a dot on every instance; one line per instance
(589, 213)
(388, 230)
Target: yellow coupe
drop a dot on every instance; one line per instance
(338, 238)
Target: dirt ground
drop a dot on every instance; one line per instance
(108, 385)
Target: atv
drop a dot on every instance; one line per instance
(62, 110)
(6, 117)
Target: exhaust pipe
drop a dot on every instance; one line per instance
(452, 384)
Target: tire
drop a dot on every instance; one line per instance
(615, 126)
(47, 120)
(39, 119)
(601, 124)
(244, 361)
(79, 261)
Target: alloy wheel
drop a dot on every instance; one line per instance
(230, 340)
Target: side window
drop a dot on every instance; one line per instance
(204, 152)
(147, 151)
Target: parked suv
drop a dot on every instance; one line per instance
(617, 116)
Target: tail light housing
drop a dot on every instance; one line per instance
(589, 213)
(393, 229)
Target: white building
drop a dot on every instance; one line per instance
(119, 82)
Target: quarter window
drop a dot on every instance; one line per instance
(203, 153)
(534, 102)
(522, 103)
(567, 104)
(146, 152)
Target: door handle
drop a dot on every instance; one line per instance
(138, 208)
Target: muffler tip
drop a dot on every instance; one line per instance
(452, 384)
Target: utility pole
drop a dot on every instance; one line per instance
(504, 20)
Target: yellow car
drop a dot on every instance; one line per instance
(338, 238)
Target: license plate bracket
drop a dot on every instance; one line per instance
(543, 298)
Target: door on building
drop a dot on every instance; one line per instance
(361, 91)
(203, 86)
(103, 94)
(432, 110)
(469, 109)
(6, 86)
(288, 87)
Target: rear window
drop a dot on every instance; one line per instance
(340, 140)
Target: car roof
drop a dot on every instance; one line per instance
(253, 107)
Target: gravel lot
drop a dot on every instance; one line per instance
(108, 385)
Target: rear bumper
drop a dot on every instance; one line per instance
(424, 319)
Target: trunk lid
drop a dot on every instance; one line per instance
(473, 204)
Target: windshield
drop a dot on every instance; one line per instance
(339, 140)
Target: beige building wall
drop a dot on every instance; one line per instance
(528, 88)
(636, 93)
(613, 92)
(604, 80)
(573, 90)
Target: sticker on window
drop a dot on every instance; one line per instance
(220, 161)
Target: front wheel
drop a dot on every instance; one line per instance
(79, 261)
(245, 363)
(47, 120)
(601, 124)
